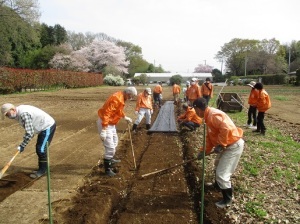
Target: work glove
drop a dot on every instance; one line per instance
(21, 148)
(200, 155)
(136, 112)
(128, 119)
(218, 149)
(151, 111)
(103, 135)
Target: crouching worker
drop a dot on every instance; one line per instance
(108, 116)
(34, 121)
(143, 108)
(189, 118)
(225, 139)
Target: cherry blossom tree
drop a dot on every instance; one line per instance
(104, 53)
(95, 57)
(73, 62)
(203, 69)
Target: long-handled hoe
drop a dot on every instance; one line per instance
(169, 168)
(7, 166)
(132, 147)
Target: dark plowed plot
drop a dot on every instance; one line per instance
(12, 183)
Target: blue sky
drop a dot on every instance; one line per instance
(178, 34)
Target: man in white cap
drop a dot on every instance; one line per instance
(143, 108)
(34, 121)
(108, 116)
(252, 100)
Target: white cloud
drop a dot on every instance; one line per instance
(178, 34)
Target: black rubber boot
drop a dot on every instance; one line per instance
(108, 168)
(227, 198)
(41, 171)
(147, 126)
(134, 127)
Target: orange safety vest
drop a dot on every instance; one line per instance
(112, 110)
(176, 89)
(253, 97)
(190, 115)
(263, 101)
(207, 89)
(143, 102)
(220, 129)
(157, 89)
(194, 92)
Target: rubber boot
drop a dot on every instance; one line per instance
(115, 160)
(134, 127)
(227, 198)
(147, 126)
(108, 168)
(41, 171)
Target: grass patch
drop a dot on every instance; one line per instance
(281, 98)
(255, 208)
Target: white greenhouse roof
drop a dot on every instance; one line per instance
(169, 75)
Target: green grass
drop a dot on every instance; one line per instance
(256, 209)
(281, 98)
(273, 158)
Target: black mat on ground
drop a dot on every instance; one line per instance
(165, 120)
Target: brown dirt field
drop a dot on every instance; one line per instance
(81, 193)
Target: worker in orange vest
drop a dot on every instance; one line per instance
(176, 91)
(225, 139)
(194, 91)
(108, 116)
(143, 108)
(207, 90)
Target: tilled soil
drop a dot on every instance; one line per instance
(81, 193)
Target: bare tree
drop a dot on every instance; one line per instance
(27, 9)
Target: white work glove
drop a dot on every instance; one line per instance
(128, 119)
(21, 148)
(151, 111)
(103, 135)
(136, 112)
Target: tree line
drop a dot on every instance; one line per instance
(25, 43)
(258, 57)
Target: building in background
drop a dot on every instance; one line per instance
(165, 77)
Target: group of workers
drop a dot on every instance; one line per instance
(193, 91)
(223, 137)
(258, 100)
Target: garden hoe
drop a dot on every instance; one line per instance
(132, 147)
(246, 109)
(169, 168)
(6, 167)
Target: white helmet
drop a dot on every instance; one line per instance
(194, 79)
(188, 83)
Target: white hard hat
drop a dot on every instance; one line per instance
(194, 79)
(188, 82)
